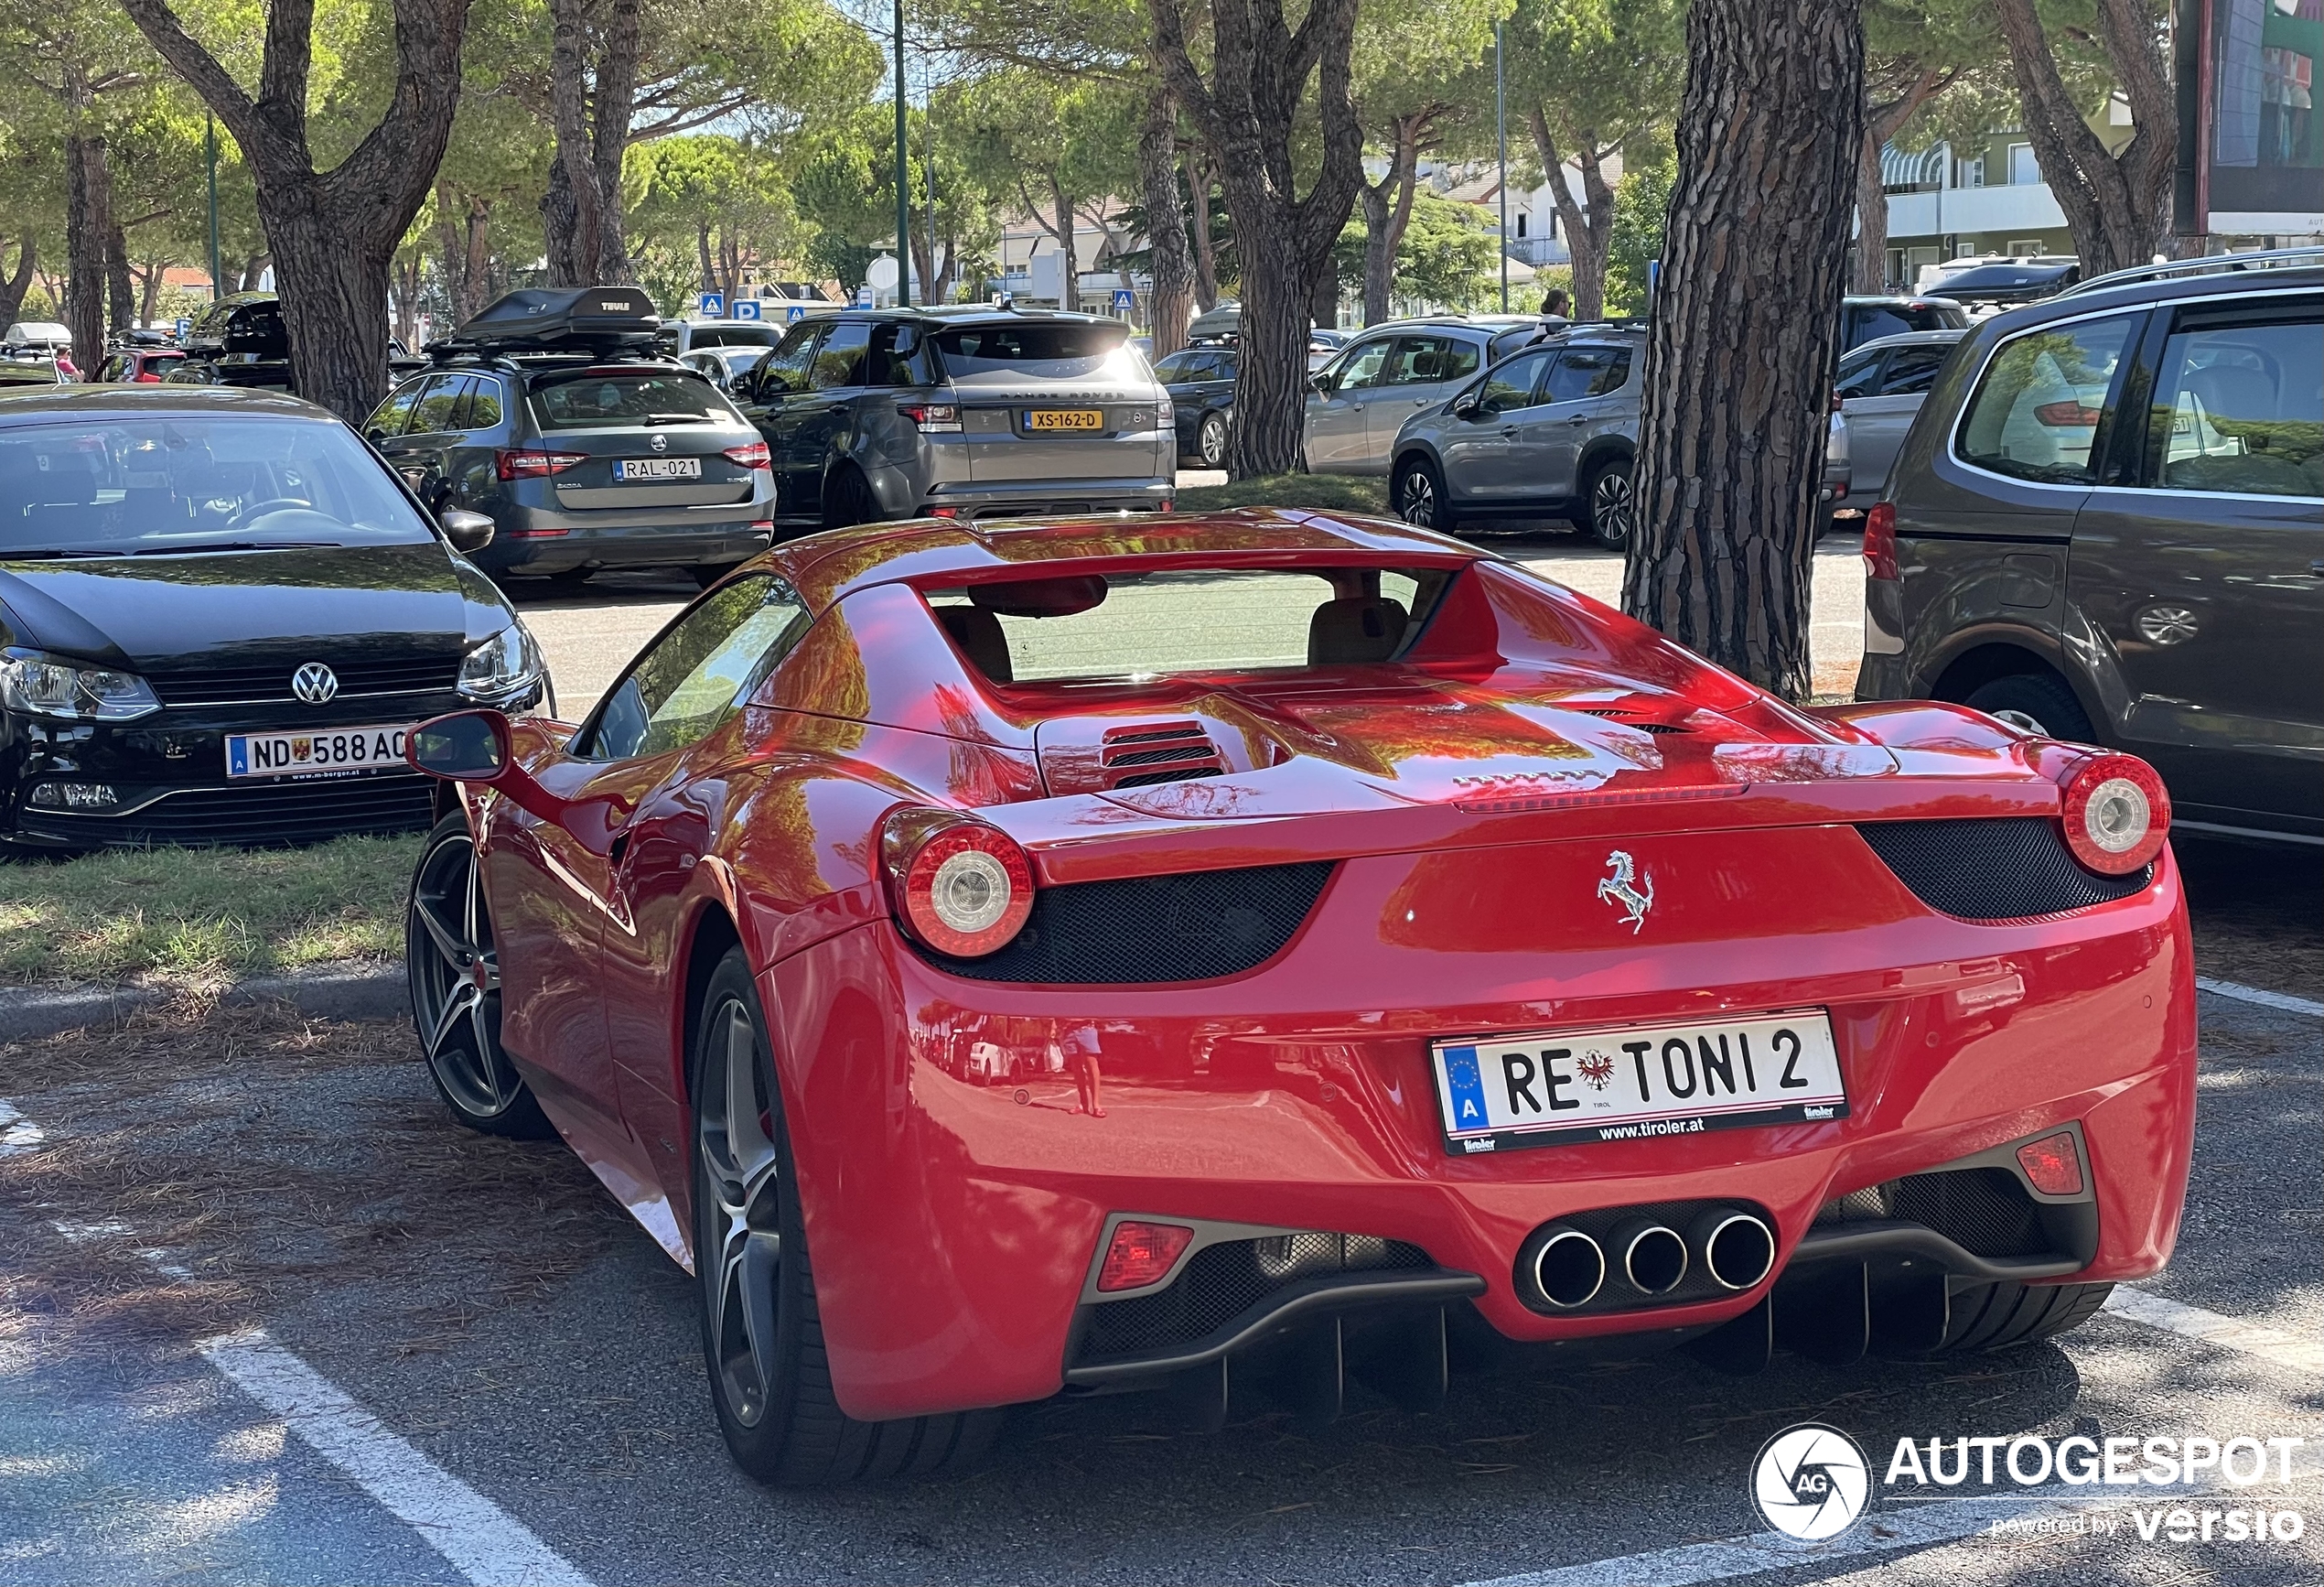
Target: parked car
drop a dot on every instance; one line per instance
(1881, 386)
(29, 371)
(1200, 381)
(239, 341)
(549, 414)
(40, 340)
(888, 904)
(138, 365)
(2107, 526)
(679, 337)
(2005, 283)
(221, 615)
(973, 413)
(1868, 319)
(1223, 325)
(1359, 400)
(721, 366)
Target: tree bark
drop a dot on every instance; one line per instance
(573, 184)
(149, 290)
(17, 282)
(1249, 113)
(1387, 213)
(1883, 119)
(1589, 224)
(617, 90)
(1205, 250)
(121, 293)
(88, 229)
(1069, 265)
(1740, 360)
(1172, 259)
(333, 234)
(2117, 207)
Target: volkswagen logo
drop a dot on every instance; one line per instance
(315, 684)
(661, 443)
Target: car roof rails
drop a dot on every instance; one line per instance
(2209, 264)
(589, 321)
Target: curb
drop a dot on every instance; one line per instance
(338, 993)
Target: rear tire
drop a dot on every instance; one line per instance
(1211, 441)
(1416, 494)
(1607, 505)
(2035, 703)
(762, 1336)
(848, 499)
(1997, 1316)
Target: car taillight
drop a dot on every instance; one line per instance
(2116, 813)
(2052, 1164)
(147, 378)
(960, 886)
(753, 456)
(1142, 1254)
(933, 418)
(535, 465)
(1880, 542)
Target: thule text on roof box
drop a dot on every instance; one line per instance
(558, 319)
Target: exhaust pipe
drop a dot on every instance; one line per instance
(1738, 1248)
(1568, 1266)
(1653, 1256)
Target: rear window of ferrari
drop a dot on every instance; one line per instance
(1131, 627)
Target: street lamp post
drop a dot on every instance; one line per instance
(903, 185)
(1501, 134)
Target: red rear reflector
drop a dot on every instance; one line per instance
(1142, 1254)
(2050, 1162)
(764, 526)
(1168, 506)
(943, 511)
(752, 456)
(536, 533)
(1880, 542)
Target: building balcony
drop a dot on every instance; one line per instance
(2022, 208)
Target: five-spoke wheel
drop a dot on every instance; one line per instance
(741, 1249)
(455, 972)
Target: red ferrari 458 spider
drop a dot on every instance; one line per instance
(1251, 953)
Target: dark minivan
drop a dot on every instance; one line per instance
(2107, 526)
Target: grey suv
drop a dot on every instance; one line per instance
(1358, 400)
(2107, 524)
(966, 413)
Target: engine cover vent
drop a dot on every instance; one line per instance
(1142, 753)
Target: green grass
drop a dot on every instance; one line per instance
(194, 916)
(1329, 492)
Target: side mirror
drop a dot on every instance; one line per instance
(1323, 384)
(464, 747)
(467, 530)
(1469, 404)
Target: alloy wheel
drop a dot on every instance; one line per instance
(1417, 499)
(456, 981)
(1214, 442)
(740, 1256)
(1609, 508)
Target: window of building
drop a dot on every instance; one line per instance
(2024, 171)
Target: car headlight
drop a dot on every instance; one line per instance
(501, 666)
(48, 687)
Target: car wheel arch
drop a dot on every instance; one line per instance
(1602, 453)
(1984, 659)
(707, 939)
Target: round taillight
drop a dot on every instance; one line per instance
(966, 889)
(2117, 813)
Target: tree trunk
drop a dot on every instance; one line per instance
(334, 233)
(149, 286)
(617, 88)
(121, 293)
(1589, 223)
(561, 229)
(1206, 250)
(475, 277)
(1871, 214)
(1250, 113)
(2117, 207)
(1172, 259)
(254, 271)
(702, 253)
(1739, 363)
(1068, 264)
(1386, 219)
(573, 258)
(17, 282)
(88, 229)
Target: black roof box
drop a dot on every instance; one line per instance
(559, 319)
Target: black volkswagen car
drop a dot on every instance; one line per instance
(220, 611)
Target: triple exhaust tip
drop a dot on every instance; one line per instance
(1570, 1268)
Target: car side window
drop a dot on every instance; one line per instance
(2036, 409)
(390, 418)
(699, 673)
(1912, 371)
(1587, 372)
(1173, 369)
(486, 404)
(433, 411)
(2239, 408)
(1366, 366)
(883, 367)
(1513, 383)
(785, 369)
(1858, 377)
(840, 360)
(1429, 361)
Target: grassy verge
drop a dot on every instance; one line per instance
(1329, 492)
(196, 915)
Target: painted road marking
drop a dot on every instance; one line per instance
(17, 1133)
(483, 1541)
(2265, 1000)
(2300, 1356)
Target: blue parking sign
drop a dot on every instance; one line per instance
(1124, 301)
(185, 327)
(712, 305)
(797, 312)
(746, 308)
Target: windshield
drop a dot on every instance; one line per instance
(597, 399)
(134, 484)
(1072, 350)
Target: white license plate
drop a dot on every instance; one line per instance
(1637, 1081)
(657, 468)
(314, 750)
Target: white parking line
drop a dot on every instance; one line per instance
(17, 1133)
(1883, 1532)
(2301, 1356)
(2265, 1000)
(483, 1541)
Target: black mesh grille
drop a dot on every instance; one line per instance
(1221, 1282)
(251, 684)
(1189, 927)
(1982, 1210)
(1997, 867)
(268, 812)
